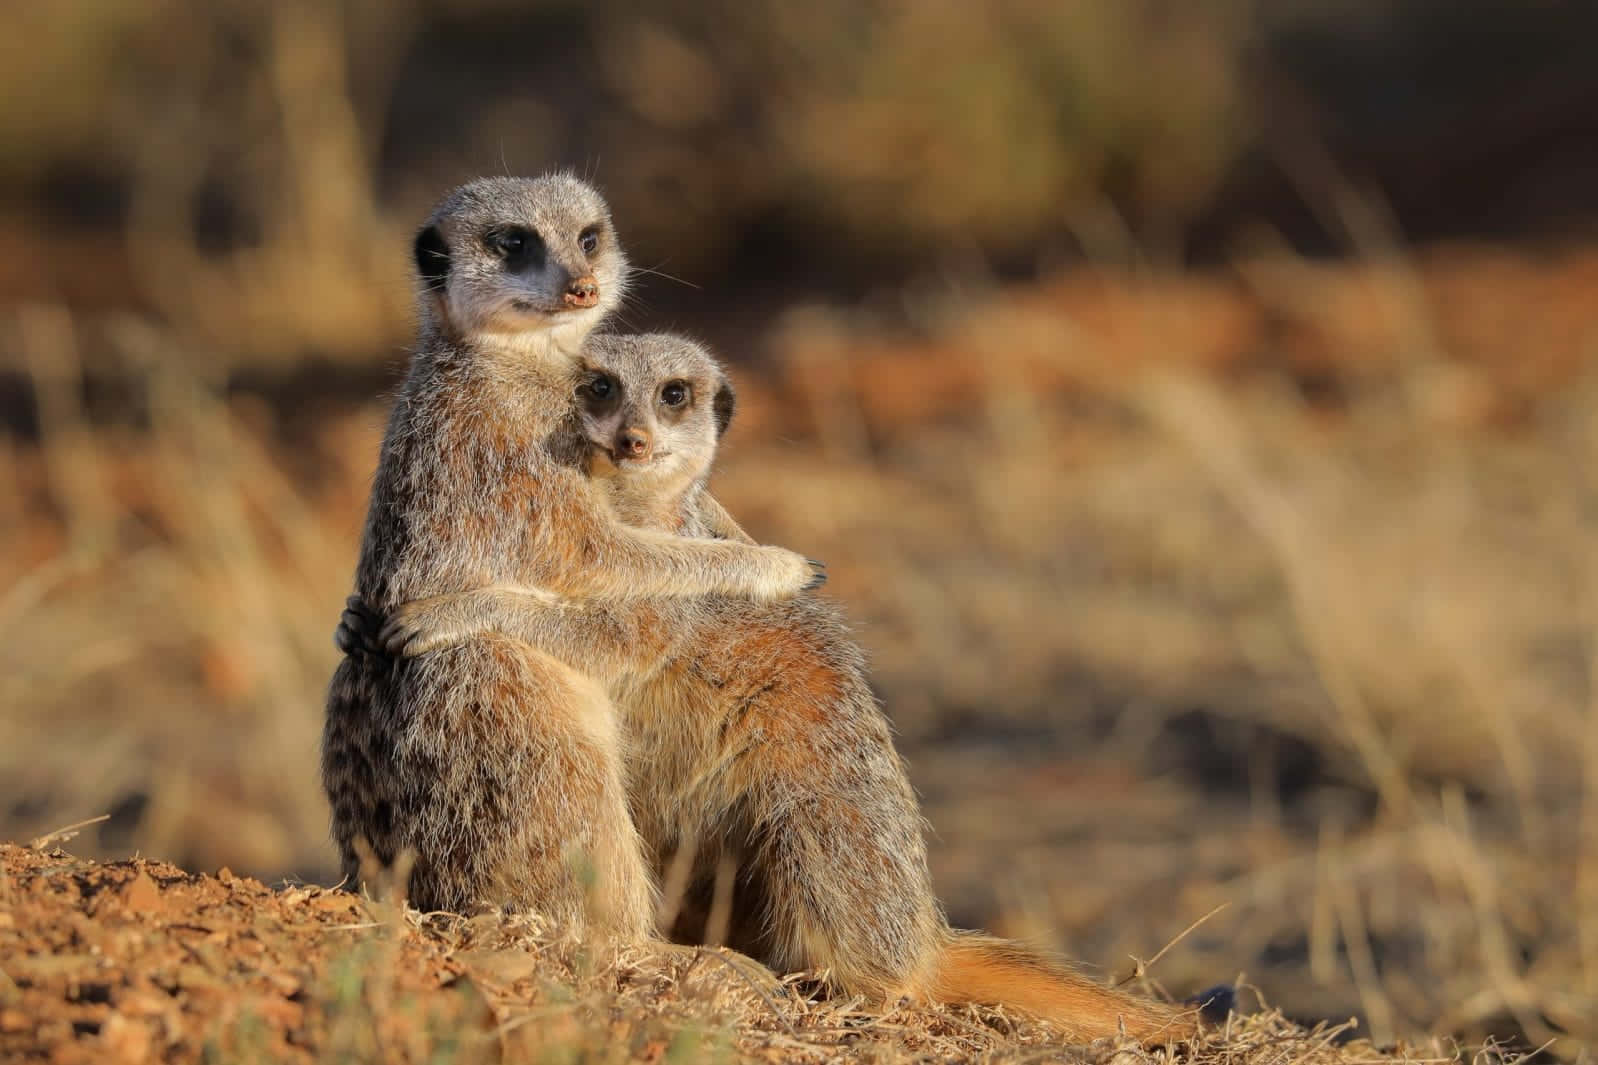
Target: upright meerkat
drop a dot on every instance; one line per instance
(753, 741)
(494, 765)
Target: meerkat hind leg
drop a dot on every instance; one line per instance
(798, 782)
(804, 783)
(518, 798)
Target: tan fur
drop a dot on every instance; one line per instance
(496, 766)
(752, 735)
(982, 969)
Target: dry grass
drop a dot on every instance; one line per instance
(274, 157)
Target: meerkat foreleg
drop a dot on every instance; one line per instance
(424, 625)
(613, 561)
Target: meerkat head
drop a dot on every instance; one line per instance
(653, 409)
(519, 258)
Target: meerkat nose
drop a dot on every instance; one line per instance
(582, 292)
(633, 444)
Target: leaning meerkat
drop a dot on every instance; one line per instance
(493, 765)
(754, 742)
(653, 411)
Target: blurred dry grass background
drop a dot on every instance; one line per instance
(1197, 565)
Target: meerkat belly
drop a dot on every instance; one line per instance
(748, 682)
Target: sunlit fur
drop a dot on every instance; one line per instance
(750, 732)
(493, 765)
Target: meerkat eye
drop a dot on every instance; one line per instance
(601, 387)
(508, 242)
(674, 393)
(589, 240)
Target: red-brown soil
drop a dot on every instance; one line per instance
(138, 961)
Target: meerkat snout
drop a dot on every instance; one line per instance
(633, 443)
(582, 292)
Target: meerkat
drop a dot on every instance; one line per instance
(754, 741)
(653, 410)
(492, 765)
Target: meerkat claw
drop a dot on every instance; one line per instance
(396, 639)
(354, 627)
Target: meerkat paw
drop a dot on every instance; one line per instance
(797, 575)
(358, 628)
(421, 626)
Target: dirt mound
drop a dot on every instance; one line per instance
(138, 961)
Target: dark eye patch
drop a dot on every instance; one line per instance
(519, 247)
(589, 240)
(600, 389)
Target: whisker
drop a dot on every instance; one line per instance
(631, 297)
(661, 273)
(620, 315)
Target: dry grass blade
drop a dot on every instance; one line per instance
(1142, 967)
(1195, 412)
(65, 833)
(754, 986)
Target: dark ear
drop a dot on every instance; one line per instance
(432, 259)
(722, 406)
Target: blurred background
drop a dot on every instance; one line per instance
(1193, 402)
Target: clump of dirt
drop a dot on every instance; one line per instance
(138, 961)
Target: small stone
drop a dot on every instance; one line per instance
(192, 977)
(334, 903)
(142, 894)
(284, 983)
(70, 1053)
(144, 1004)
(125, 1041)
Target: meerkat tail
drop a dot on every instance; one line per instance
(981, 969)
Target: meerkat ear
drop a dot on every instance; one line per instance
(722, 406)
(432, 259)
